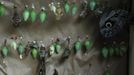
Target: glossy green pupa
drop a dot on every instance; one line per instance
(87, 43)
(74, 9)
(13, 44)
(26, 13)
(34, 53)
(104, 52)
(4, 51)
(2, 9)
(66, 6)
(92, 4)
(33, 14)
(42, 15)
(77, 44)
(21, 48)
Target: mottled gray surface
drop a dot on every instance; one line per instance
(68, 26)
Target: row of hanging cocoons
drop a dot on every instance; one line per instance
(57, 8)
